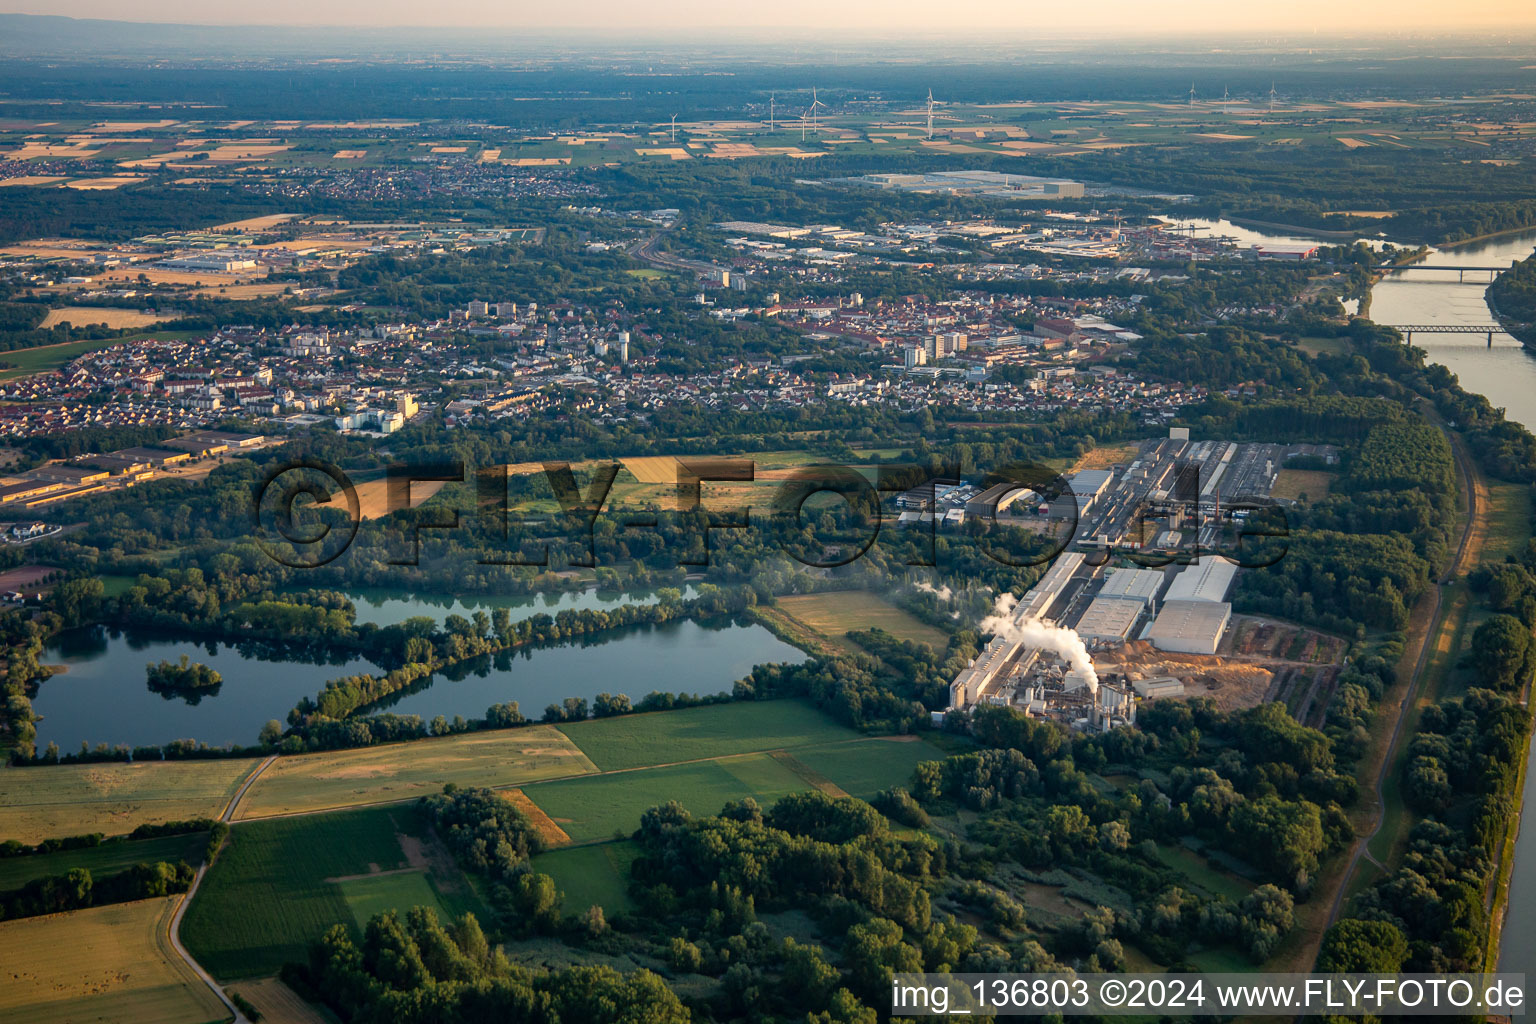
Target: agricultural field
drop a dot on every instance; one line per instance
(107, 859)
(277, 1003)
(594, 808)
(24, 361)
(85, 316)
(398, 890)
(105, 964)
(864, 767)
(692, 734)
(607, 806)
(112, 798)
(374, 502)
(596, 875)
(836, 613)
(400, 771)
(280, 884)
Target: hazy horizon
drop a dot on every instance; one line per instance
(875, 17)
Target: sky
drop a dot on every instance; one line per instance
(884, 17)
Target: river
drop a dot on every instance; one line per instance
(1505, 372)
(103, 697)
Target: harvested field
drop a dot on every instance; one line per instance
(103, 965)
(116, 319)
(244, 291)
(552, 834)
(373, 496)
(653, 469)
(256, 223)
(836, 613)
(113, 798)
(401, 771)
(277, 1003)
(102, 184)
(245, 152)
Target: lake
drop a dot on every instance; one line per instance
(678, 657)
(103, 696)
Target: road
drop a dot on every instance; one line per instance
(647, 252)
(1416, 681)
(174, 929)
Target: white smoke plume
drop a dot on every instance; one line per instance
(941, 592)
(1065, 643)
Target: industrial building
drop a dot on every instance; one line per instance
(1140, 585)
(997, 498)
(1210, 579)
(1084, 490)
(999, 660)
(985, 183)
(1158, 686)
(1190, 627)
(1043, 596)
(1110, 619)
(217, 263)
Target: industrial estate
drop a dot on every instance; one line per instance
(496, 527)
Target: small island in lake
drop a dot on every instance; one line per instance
(185, 678)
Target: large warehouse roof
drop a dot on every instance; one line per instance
(1208, 580)
(1133, 584)
(1109, 618)
(1190, 627)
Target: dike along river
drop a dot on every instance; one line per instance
(1505, 373)
(103, 697)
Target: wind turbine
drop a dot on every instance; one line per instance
(1224, 98)
(811, 113)
(1191, 93)
(930, 113)
(1271, 96)
(771, 98)
(674, 128)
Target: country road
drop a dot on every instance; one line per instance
(1416, 682)
(174, 928)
